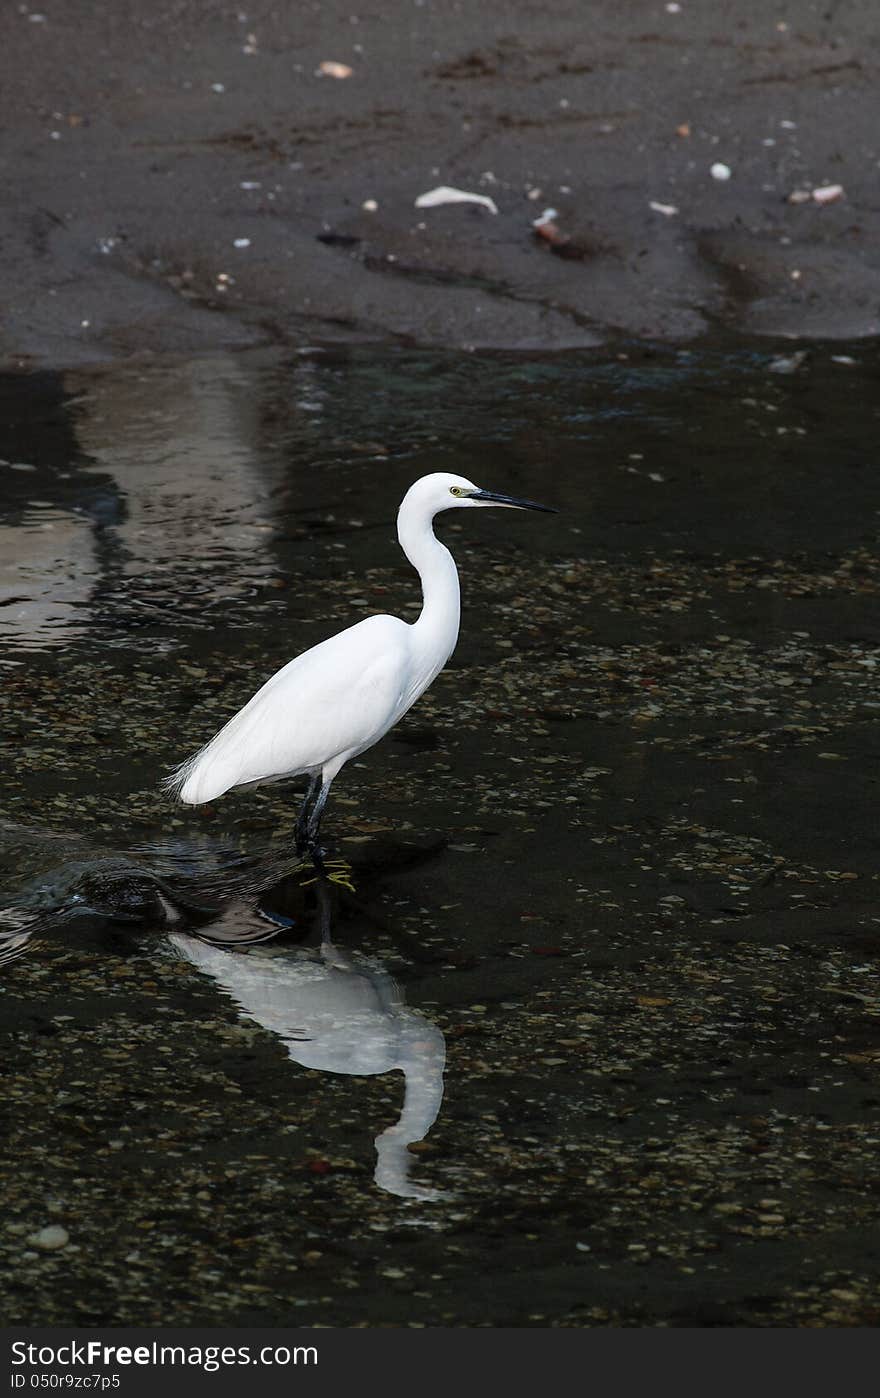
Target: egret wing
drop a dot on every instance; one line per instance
(330, 702)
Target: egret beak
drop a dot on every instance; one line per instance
(511, 502)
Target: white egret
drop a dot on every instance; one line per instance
(339, 698)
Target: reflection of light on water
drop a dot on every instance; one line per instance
(17, 926)
(339, 1015)
(173, 506)
(47, 569)
(182, 443)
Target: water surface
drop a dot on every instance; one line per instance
(616, 872)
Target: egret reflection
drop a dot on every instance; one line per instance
(336, 1012)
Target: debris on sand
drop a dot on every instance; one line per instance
(787, 363)
(563, 244)
(446, 194)
(549, 216)
(329, 69)
(547, 228)
(828, 193)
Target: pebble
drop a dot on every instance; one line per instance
(720, 171)
(828, 193)
(50, 1238)
(331, 69)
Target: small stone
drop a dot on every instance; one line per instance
(50, 1238)
(331, 69)
(827, 193)
(719, 171)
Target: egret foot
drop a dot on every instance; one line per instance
(327, 871)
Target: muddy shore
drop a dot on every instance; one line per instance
(185, 177)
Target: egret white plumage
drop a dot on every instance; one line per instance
(339, 698)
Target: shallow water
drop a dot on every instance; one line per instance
(617, 868)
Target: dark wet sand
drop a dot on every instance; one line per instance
(139, 145)
(623, 854)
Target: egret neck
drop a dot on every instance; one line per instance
(435, 632)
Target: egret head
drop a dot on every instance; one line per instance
(444, 491)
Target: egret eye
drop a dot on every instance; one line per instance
(456, 490)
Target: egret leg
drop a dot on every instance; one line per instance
(331, 955)
(325, 920)
(314, 820)
(304, 818)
